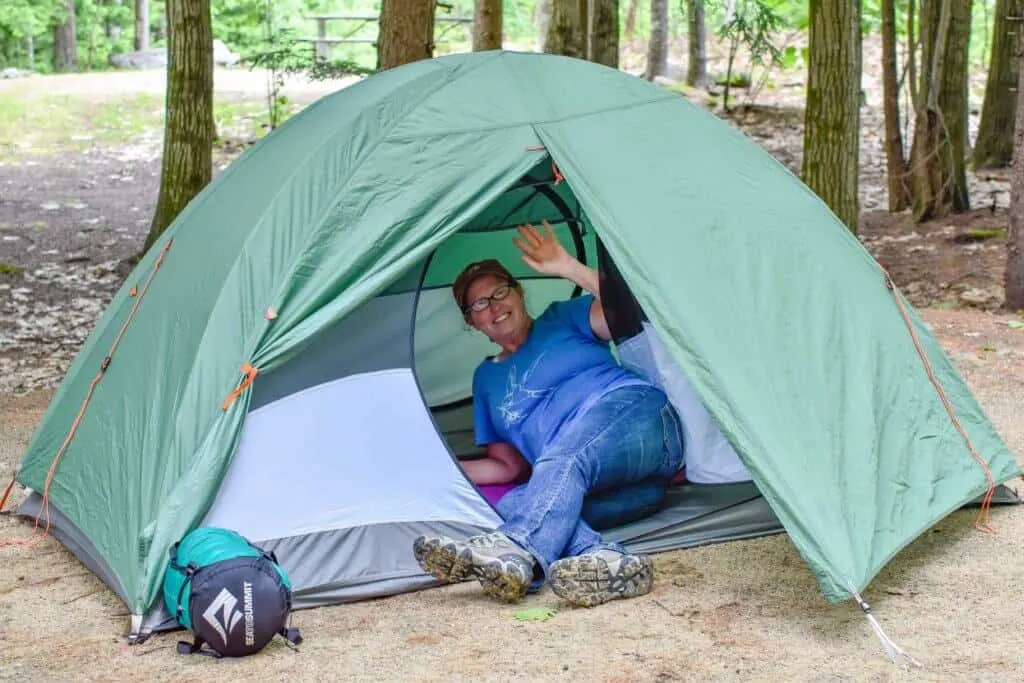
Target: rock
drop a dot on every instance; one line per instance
(141, 59)
(157, 58)
(12, 72)
(222, 55)
(975, 297)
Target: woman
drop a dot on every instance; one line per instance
(553, 398)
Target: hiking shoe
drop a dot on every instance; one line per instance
(504, 569)
(594, 578)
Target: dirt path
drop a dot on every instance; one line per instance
(113, 84)
(745, 610)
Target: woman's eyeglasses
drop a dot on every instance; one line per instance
(484, 302)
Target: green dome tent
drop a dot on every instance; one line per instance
(286, 360)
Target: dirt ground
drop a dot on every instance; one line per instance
(744, 610)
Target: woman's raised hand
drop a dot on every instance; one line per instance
(542, 251)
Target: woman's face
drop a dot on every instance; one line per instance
(502, 318)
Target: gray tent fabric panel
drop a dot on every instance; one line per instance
(354, 562)
(376, 336)
(699, 514)
(1003, 495)
(65, 531)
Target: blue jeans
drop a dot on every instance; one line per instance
(631, 436)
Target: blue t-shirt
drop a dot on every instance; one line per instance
(559, 372)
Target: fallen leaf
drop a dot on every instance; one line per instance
(536, 613)
(1015, 324)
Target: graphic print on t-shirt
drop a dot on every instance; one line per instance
(519, 396)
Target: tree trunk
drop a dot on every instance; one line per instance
(832, 116)
(657, 48)
(697, 64)
(141, 24)
(406, 32)
(542, 17)
(189, 130)
(487, 25)
(565, 34)
(65, 45)
(111, 28)
(994, 145)
(896, 162)
(937, 160)
(160, 30)
(583, 12)
(630, 27)
(912, 55)
(604, 33)
(1013, 278)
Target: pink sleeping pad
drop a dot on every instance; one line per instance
(494, 492)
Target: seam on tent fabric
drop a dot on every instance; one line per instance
(369, 525)
(528, 122)
(525, 85)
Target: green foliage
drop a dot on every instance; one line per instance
(21, 21)
(106, 27)
(281, 54)
(103, 29)
(753, 25)
(542, 613)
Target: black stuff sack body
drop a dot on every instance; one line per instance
(233, 596)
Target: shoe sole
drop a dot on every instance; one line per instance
(442, 561)
(446, 562)
(586, 580)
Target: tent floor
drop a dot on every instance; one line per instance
(701, 514)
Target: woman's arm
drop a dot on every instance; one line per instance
(545, 254)
(503, 465)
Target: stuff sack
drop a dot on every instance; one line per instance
(232, 595)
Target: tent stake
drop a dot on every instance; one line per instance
(892, 649)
